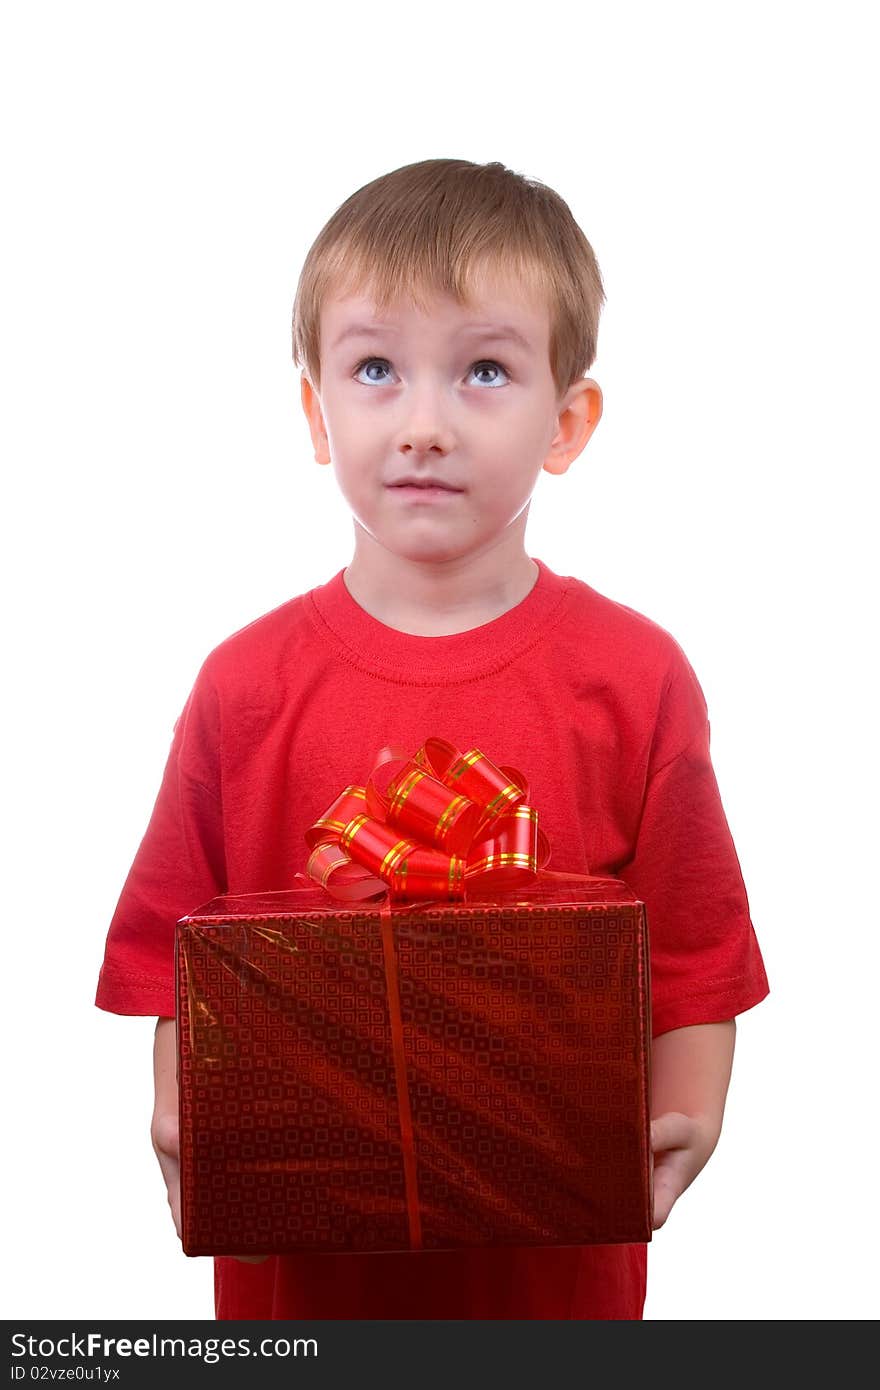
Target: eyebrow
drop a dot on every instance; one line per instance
(486, 332)
(498, 332)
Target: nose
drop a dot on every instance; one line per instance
(426, 427)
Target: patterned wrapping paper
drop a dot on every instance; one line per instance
(514, 1112)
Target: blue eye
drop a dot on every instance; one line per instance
(496, 367)
(367, 366)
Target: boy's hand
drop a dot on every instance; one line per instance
(164, 1130)
(690, 1075)
(681, 1147)
(166, 1144)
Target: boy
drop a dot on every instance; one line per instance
(444, 320)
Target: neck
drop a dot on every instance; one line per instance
(438, 598)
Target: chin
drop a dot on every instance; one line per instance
(429, 555)
(427, 552)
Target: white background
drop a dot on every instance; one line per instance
(165, 168)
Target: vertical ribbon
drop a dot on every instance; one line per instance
(404, 1110)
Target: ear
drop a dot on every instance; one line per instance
(311, 405)
(580, 411)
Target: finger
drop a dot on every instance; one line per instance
(670, 1180)
(174, 1204)
(165, 1134)
(171, 1175)
(170, 1166)
(671, 1131)
(665, 1198)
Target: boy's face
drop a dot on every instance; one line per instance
(438, 423)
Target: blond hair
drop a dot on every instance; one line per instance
(434, 227)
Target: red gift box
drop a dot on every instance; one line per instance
(371, 1078)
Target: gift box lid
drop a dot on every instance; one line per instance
(556, 890)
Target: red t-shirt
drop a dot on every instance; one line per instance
(601, 711)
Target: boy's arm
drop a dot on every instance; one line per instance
(690, 1075)
(164, 1130)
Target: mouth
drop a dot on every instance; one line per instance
(428, 486)
(425, 494)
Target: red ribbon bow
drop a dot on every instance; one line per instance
(425, 826)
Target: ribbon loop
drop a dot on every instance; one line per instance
(425, 826)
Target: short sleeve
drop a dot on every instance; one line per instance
(179, 865)
(706, 964)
